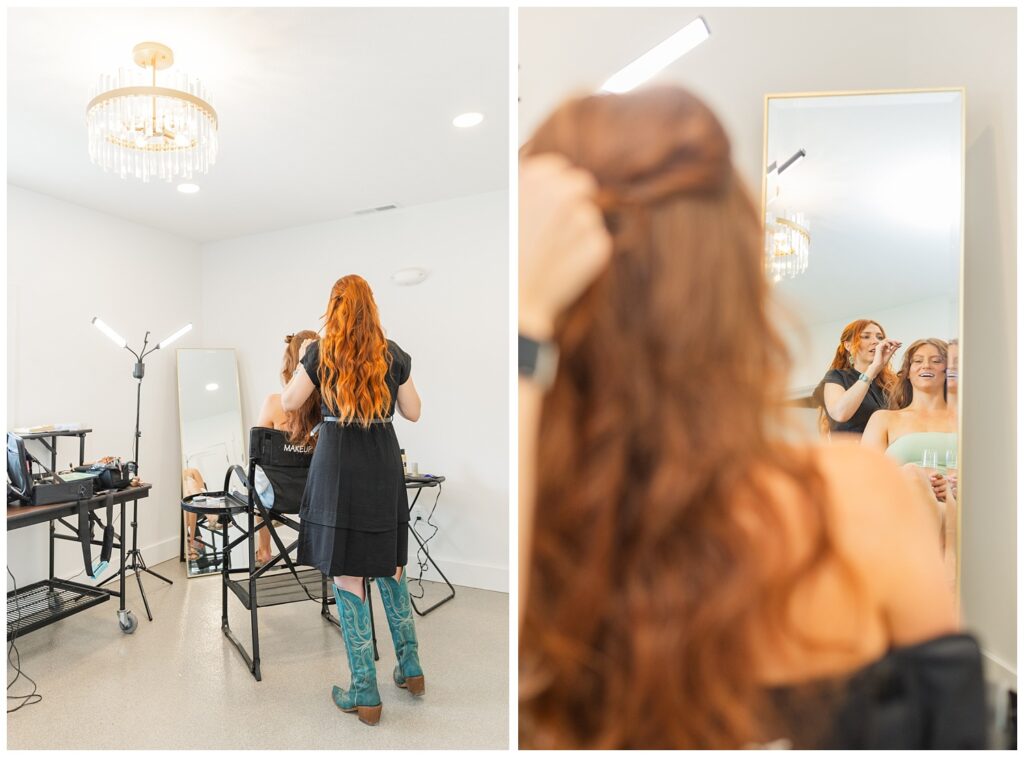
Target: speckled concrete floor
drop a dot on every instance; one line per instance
(178, 683)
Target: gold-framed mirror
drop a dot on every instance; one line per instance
(862, 196)
(212, 440)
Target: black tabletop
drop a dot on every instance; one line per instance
(30, 515)
(48, 434)
(422, 481)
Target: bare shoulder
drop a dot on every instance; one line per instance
(272, 404)
(862, 479)
(881, 418)
(883, 528)
(850, 459)
(876, 509)
(272, 412)
(884, 521)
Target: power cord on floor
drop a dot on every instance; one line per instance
(14, 656)
(15, 663)
(423, 552)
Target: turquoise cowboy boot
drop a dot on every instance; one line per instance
(362, 698)
(395, 595)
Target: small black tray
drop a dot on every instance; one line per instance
(214, 503)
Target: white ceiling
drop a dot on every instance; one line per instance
(869, 182)
(323, 111)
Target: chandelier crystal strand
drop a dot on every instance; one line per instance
(151, 130)
(787, 245)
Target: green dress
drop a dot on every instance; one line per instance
(910, 448)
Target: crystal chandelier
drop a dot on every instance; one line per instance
(137, 128)
(787, 245)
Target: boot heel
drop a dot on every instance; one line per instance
(369, 715)
(415, 685)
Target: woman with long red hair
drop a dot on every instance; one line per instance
(690, 579)
(355, 510)
(858, 381)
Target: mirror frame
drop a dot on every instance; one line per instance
(962, 91)
(181, 429)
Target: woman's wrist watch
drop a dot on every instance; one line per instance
(865, 378)
(538, 360)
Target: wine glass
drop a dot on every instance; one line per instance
(952, 471)
(930, 459)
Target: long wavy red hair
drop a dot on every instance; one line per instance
(655, 519)
(299, 423)
(354, 356)
(843, 360)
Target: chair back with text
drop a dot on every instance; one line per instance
(286, 466)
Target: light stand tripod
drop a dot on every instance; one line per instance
(137, 562)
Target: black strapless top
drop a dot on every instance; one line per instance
(925, 696)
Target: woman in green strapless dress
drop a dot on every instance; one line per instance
(920, 426)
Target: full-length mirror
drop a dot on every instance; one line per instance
(863, 204)
(210, 412)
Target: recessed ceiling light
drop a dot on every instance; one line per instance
(658, 57)
(212, 387)
(188, 189)
(466, 120)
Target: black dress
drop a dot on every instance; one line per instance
(355, 508)
(929, 695)
(875, 399)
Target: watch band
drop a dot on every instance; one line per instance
(538, 360)
(865, 378)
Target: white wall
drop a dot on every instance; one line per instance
(66, 264)
(257, 289)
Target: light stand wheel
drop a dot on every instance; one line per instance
(127, 621)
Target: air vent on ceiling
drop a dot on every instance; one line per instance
(379, 209)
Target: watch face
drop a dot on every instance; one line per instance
(528, 350)
(537, 360)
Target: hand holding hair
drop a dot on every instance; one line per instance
(563, 242)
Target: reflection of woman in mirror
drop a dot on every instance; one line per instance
(355, 509)
(693, 581)
(921, 429)
(298, 425)
(857, 382)
(952, 393)
(192, 483)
